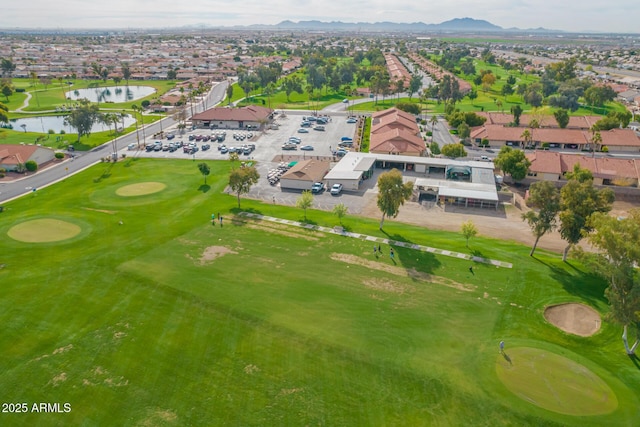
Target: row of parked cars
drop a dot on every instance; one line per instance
(319, 187)
(245, 149)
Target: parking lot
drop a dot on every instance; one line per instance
(268, 152)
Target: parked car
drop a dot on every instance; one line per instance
(318, 127)
(295, 139)
(307, 147)
(192, 137)
(352, 120)
(340, 153)
(322, 120)
(336, 189)
(224, 149)
(289, 146)
(305, 124)
(346, 138)
(303, 130)
(317, 187)
(346, 144)
(170, 136)
(205, 147)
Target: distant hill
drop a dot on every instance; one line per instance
(457, 24)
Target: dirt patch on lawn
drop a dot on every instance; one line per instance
(400, 271)
(212, 252)
(385, 286)
(100, 210)
(282, 230)
(574, 318)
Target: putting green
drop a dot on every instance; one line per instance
(140, 189)
(554, 382)
(43, 231)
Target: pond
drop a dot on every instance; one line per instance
(111, 93)
(44, 123)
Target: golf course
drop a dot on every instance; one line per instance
(121, 299)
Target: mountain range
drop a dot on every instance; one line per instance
(457, 24)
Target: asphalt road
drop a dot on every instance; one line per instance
(83, 160)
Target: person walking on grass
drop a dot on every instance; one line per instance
(502, 347)
(392, 254)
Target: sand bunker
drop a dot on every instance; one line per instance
(44, 230)
(140, 189)
(578, 319)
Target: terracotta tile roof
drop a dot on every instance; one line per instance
(11, 154)
(600, 167)
(395, 131)
(620, 137)
(396, 141)
(394, 118)
(545, 162)
(614, 137)
(575, 122)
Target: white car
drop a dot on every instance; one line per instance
(303, 130)
(336, 189)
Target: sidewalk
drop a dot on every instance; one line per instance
(340, 231)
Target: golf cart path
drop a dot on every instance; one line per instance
(340, 231)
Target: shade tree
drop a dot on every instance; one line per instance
(392, 193)
(544, 199)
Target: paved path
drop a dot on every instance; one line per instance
(340, 231)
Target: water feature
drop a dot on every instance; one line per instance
(56, 123)
(111, 93)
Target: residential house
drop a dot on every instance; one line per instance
(395, 132)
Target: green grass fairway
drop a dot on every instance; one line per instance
(167, 319)
(43, 231)
(554, 382)
(140, 189)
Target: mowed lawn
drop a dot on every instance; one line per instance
(168, 320)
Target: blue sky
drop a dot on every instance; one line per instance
(568, 15)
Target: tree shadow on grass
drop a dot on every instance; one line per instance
(477, 253)
(204, 188)
(105, 174)
(409, 258)
(584, 284)
(635, 360)
(240, 220)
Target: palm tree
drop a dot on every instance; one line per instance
(596, 138)
(433, 121)
(139, 110)
(109, 119)
(527, 137)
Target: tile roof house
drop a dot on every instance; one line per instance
(620, 140)
(552, 166)
(545, 121)
(13, 157)
(395, 132)
(233, 118)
